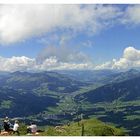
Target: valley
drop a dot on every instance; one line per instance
(61, 97)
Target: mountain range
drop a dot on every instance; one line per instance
(111, 96)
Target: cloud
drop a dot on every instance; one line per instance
(16, 63)
(130, 59)
(132, 15)
(63, 54)
(53, 64)
(131, 54)
(29, 64)
(88, 44)
(20, 22)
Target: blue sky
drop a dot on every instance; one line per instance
(106, 45)
(88, 34)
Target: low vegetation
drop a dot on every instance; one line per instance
(89, 127)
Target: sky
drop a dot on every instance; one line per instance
(62, 37)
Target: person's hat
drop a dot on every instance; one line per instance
(16, 121)
(6, 119)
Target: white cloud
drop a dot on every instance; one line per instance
(63, 58)
(132, 15)
(16, 63)
(53, 64)
(63, 54)
(131, 54)
(19, 22)
(88, 44)
(130, 59)
(29, 64)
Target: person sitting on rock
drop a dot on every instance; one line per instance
(32, 128)
(7, 125)
(15, 128)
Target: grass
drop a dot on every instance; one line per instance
(5, 104)
(132, 117)
(90, 127)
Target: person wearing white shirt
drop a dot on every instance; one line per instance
(32, 128)
(15, 128)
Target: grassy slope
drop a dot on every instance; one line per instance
(92, 127)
